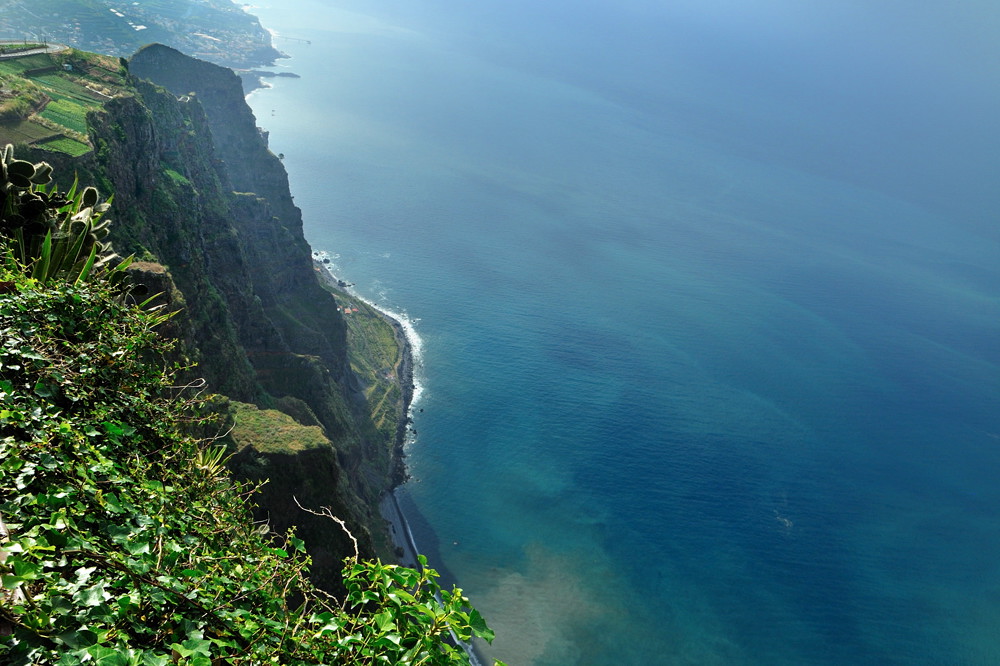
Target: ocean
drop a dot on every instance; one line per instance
(708, 299)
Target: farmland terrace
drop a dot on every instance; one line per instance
(45, 98)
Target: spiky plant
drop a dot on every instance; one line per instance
(51, 234)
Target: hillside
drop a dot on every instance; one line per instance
(125, 539)
(204, 205)
(215, 30)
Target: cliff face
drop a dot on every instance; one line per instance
(197, 190)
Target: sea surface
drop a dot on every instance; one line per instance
(708, 296)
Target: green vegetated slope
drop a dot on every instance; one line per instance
(204, 204)
(376, 354)
(14, 47)
(127, 543)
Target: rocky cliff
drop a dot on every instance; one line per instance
(198, 193)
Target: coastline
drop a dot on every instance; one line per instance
(399, 527)
(404, 373)
(400, 530)
(389, 507)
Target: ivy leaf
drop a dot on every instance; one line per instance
(198, 646)
(112, 503)
(137, 547)
(331, 623)
(116, 431)
(10, 582)
(119, 533)
(94, 595)
(384, 621)
(149, 659)
(194, 647)
(78, 640)
(104, 656)
(44, 390)
(26, 570)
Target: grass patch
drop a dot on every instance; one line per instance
(376, 358)
(63, 86)
(70, 115)
(177, 177)
(21, 65)
(271, 431)
(66, 145)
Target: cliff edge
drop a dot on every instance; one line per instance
(205, 205)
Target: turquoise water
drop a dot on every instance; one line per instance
(708, 302)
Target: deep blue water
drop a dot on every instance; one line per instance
(709, 300)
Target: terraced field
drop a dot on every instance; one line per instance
(27, 63)
(67, 114)
(25, 131)
(74, 84)
(66, 145)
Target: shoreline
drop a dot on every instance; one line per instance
(400, 530)
(404, 374)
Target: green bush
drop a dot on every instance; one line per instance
(19, 98)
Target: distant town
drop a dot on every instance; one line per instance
(219, 31)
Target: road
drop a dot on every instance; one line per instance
(51, 48)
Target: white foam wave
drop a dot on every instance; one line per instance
(415, 342)
(264, 85)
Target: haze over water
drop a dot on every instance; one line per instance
(708, 295)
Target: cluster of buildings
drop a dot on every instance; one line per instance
(122, 27)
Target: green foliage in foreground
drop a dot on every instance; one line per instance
(129, 545)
